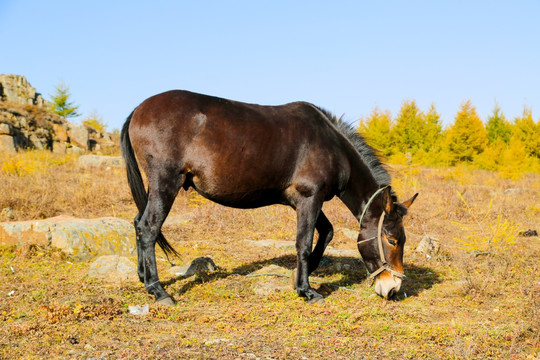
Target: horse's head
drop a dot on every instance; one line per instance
(381, 240)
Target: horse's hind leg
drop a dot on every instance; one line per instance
(326, 233)
(140, 267)
(163, 189)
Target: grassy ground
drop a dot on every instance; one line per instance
(478, 298)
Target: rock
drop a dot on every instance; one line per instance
(59, 147)
(87, 161)
(77, 237)
(139, 310)
(528, 233)
(7, 145)
(78, 135)
(26, 117)
(428, 246)
(113, 268)
(75, 150)
(60, 132)
(16, 89)
(5, 129)
(512, 191)
(271, 279)
(199, 266)
(350, 234)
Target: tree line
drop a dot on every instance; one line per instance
(418, 137)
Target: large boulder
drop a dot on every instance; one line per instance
(78, 135)
(78, 237)
(7, 144)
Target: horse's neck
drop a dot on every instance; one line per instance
(360, 187)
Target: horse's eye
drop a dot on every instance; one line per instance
(391, 241)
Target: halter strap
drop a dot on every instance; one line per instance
(369, 203)
(385, 265)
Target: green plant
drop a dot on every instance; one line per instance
(61, 102)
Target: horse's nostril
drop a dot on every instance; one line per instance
(391, 293)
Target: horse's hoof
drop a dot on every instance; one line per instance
(316, 300)
(314, 297)
(166, 301)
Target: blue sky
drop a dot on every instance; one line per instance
(346, 56)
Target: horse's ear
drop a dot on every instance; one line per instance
(409, 202)
(387, 201)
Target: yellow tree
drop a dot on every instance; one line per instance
(432, 130)
(467, 137)
(408, 132)
(376, 130)
(527, 132)
(498, 128)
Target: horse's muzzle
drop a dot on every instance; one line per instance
(387, 285)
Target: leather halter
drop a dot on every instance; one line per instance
(385, 265)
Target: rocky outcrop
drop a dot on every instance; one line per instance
(26, 122)
(78, 237)
(17, 90)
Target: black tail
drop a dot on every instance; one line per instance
(136, 183)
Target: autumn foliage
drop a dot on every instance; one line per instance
(414, 136)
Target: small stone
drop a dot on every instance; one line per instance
(428, 246)
(198, 266)
(139, 310)
(512, 191)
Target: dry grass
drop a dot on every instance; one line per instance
(459, 304)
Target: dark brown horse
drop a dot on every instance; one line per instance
(247, 156)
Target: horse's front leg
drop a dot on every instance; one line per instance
(326, 233)
(307, 211)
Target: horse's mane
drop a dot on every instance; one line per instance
(367, 153)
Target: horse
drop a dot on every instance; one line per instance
(247, 156)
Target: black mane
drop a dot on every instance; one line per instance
(367, 153)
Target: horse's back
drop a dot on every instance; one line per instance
(233, 152)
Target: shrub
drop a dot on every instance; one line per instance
(484, 236)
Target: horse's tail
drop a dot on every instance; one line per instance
(136, 183)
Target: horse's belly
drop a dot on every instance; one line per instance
(246, 199)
